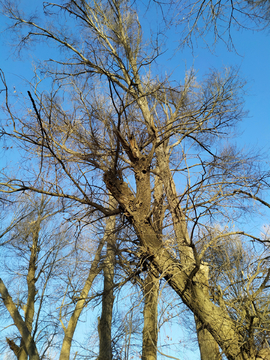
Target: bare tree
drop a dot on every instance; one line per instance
(215, 20)
(110, 126)
(39, 258)
(236, 284)
(47, 257)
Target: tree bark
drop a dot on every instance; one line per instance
(19, 323)
(31, 283)
(69, 331)
(150, 312)
(105, 321)
(179, 277)
(209, 349)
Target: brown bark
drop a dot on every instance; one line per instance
(180, 278)
(209, 349)
(150, 312)
(15, 348)
(105, 321)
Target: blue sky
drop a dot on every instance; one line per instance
(252, 58)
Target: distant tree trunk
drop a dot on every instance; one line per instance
(70, 329)
(105, 321)
(150, 331)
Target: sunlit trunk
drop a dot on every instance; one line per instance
(209, 349)
(105, 320)
(150, 312)
(70, 329)
(19, 323)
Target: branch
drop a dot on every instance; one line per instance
(252, 197)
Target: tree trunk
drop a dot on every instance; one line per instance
(19, 323)
(209, 349)
(150, 312)
(31, 283)
(69, 331)
(180, 277)
(105, 321)
(21, 351)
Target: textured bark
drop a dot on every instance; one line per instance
(179, 276)
(105, 321)
(15, 348)
(19, 323)
(209, 349)
(179, 220)
(150, 312)
(22, 354)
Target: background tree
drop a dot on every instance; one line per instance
(213, 21)
(236, 282)
(38, 251)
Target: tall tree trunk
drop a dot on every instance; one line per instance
(31, 282)
(209, 348)
(105, 321)
(150, 312)
(180, 277)
(29, 309)
(70, 329)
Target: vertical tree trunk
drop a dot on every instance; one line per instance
(208, 346)
(29, 310)
(150, 331)
(105, 321)
(22, 353)
(209, 349)
(31, 283)
(70, 329)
